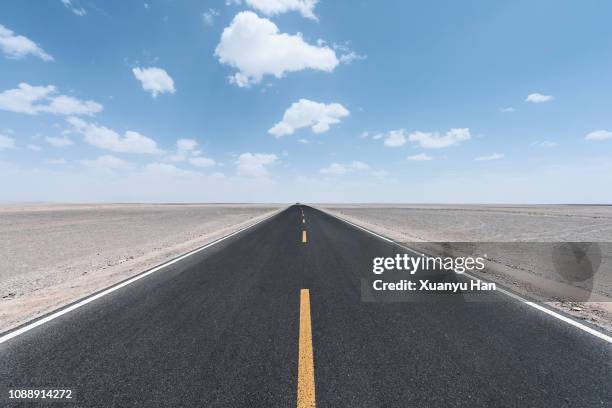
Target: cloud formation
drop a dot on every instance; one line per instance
(494, 156)
(544, 143)
(255, 164)
(437, 141)
(76, 9)
(154, 80)
(209, 16)
(17, 46)
(538, 98)
(599, 135)
(395, 138)
(420, 157)
(32, 100)
(338, 169)
(105, 138)
(305, 113)
(273, 7)
(187, 150)
(254, 46)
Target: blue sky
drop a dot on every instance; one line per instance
(305, 100)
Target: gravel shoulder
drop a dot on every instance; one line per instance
(51, 255)
(517, 240)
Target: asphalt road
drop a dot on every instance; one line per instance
(221, 328)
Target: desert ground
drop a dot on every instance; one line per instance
(519, 242)
(478, 223)
(51, 255)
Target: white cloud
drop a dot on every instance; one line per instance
(437, 141)
(255, 164)
(59, 141)
(350, 57)
(544, 143)
(273, 7)
(599, 135)
(420, 157)
(339, 168)
(67, 105)
(186, 150)
(395, 138)
(303, 141)
(428, 140)
(335, 168)
(17, 46)
(347, 55)
(105, 138)
(209, 16)
(254, 46)
(32, 100)
(78, 10)
(303, 113)
(509, 109)
(379, 135)
(154, 80)
(107, 164)
(186, 145)
(495, 156)
(22, 98)
(6, 142)
(33, 147)
(538, 98)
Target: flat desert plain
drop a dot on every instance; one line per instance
(519, 240)
(478, 223)
(51, 255)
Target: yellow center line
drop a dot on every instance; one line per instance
(304, 237)
(306, 385)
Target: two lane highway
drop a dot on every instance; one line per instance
(227, 327)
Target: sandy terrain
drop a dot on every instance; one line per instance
(519, 241)
(478, 223)
(51, 255)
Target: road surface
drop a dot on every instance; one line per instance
(276, 309)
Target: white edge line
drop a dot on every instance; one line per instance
(514, 296)
(115, 287)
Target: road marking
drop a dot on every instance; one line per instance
(306, 385)
(303, 221)
(91, 298)
(550, 312)
(514, 296)
(304, 237)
